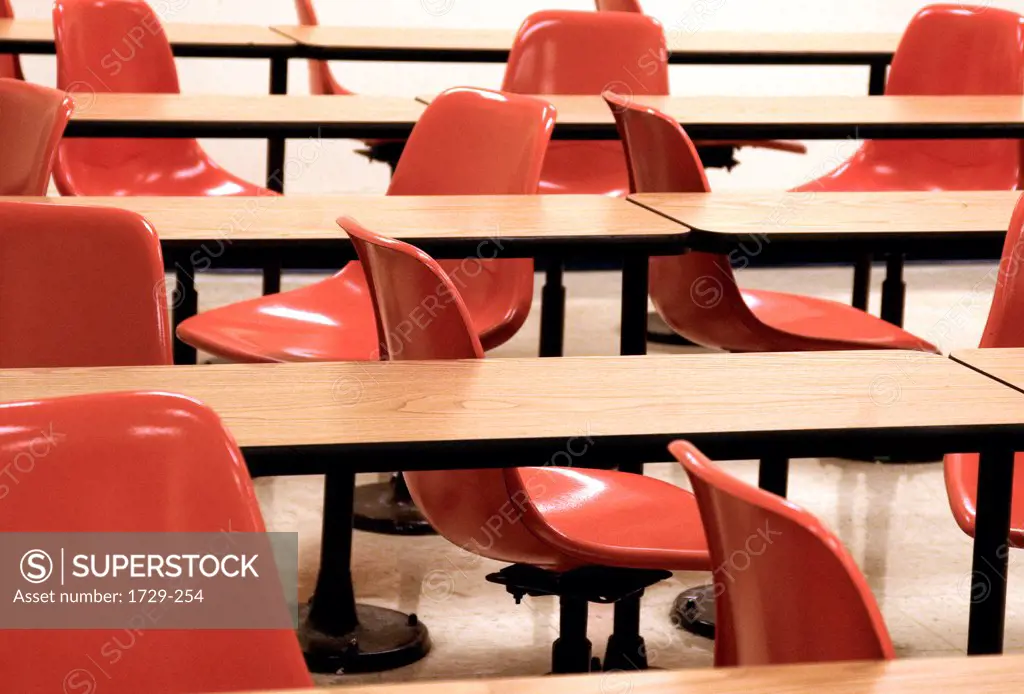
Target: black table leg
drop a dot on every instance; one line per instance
(991, 554)
(633, 338)
(894, 290)
(271, 278)
(552, 310)
(862, 282)
(276, 145)
(387, 508)
(336, 634)
(184, 305)
(876, 79)
(694, 608)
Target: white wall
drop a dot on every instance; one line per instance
(337, 169)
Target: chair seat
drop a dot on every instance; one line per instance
(824, 319)
(616, 519)
(961, 487)
(330, 320)
(915, 165)
(147, 167)
(594, 168)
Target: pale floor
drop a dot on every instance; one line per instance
(894, 518)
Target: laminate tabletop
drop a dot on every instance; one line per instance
(991, 675)
(498, 401)
(492, 45)
(781, 217)
(1005, 365)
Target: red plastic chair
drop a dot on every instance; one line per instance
(321, 80)
(1003, 329)
(120, 46)
(135, 462)
(568, 52)
(571, 518)
(10, 65)
(468, 142)
(796, 596)
(618, 6)
(80, 286)
(32, 120)
(946, 49)
(696, 293)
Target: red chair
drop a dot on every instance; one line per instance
(135, 462)
(946, 49)
(1003, 329)
(467, 142)
(119, 46)
(787, 590)
(10, 65)
(583, 532)
(80, 286)
(618, 6)
(32, 120)
(696, 293)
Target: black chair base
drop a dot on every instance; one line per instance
(572, 651)
(694, 611)
(387, 509)
(659, 332)
(384, 640)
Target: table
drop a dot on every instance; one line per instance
(804, 117)
(188, 41)
(685, 47)
(301, 232)
(343, 418)
(932, 225)
(1005, 365)
(1002, 675)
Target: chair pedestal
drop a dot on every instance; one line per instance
(387, 508)
(336, 634)
(571, 652)
(694, 611)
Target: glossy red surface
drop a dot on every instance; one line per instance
(468, 142)
(321, 80)
(786, 590)
(134, 462)
(10, 65)
(80, 286)
(570, 517)
(697, 294)
(618, 6)
(567, 52)
(1003, 329)
(32, 120)
(120, 46)
(946, 49)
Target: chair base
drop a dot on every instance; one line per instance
(571, 652)
(718, 157)
(387, 509)
(384, 640)
(694, 611)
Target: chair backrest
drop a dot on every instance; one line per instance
(1005, 326)
(960, 49)
(10, 65)
(134, 462)
(421, 315)
(569, 52)
(114, 46)
(618, 6)
(32, 120)
(80, 286)
(480, 142)
(786, 590)
(321, 80)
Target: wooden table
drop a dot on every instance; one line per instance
(805, 117)
(301, 232)
(188, 41)
(343, 418)
(998, 675)
(1004, 365)
(832, 226)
